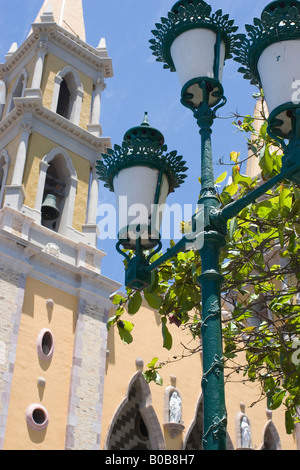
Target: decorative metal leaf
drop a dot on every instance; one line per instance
(189, 14)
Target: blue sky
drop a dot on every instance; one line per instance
(141, 84)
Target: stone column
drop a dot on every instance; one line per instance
(14, 194)
(35, 89)
(39, 66)
(83, 430)
(94, 127)
(26, 130)
(93, 198)
(90, 227)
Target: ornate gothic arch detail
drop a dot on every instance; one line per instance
(69, 169)
(70, 76)
(194, 434)
(68, 174)
(135, 425)
(271, 438)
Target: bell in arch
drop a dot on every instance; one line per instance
(50, 210)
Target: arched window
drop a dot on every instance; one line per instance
(67, 95)
(63, 105)
(53, 197)
(57, 190)
(18, 90)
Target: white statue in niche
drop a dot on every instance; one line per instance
(245, 433)
(175, 408)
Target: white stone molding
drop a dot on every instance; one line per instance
(54, 127)
(4, 165)
(60, 39)
(2, 97)
(93, 198)
(52, 249)
(95, 127)
(14, 194)
(96, 106)
(26, 130)
(41, 50)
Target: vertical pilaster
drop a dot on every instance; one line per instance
(93, 198)
(94, 127)
(39, 65)
(87, 378)
(26, 130)
(12, 285)
(14, 193)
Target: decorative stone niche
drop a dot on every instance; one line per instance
(173, 422)
(243, 429)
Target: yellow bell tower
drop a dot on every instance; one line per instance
(54, 299)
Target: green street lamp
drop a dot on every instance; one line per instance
(195, 43)
(269, 56)
(142, 174)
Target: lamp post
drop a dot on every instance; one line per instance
(195, 43)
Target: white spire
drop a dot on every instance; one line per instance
(66, 13)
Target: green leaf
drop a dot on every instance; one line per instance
(234, 156)
(232, 227)
(135, 303)
(221, 178)
(265, 209)
(266, 161)
(289, 422)
(166, 335)
(151, 364)
(124, 328)
(153, 299)
(276, 399)
(153, 376)
(118, 299)
(285, 201)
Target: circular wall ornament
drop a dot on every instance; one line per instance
(45, 344)
(37, 417)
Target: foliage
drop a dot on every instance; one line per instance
(262, 279)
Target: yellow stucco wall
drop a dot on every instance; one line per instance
(28, 367)
(38, 147)
(147, 343)
(52, 66)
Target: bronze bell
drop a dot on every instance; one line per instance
(49, 208)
